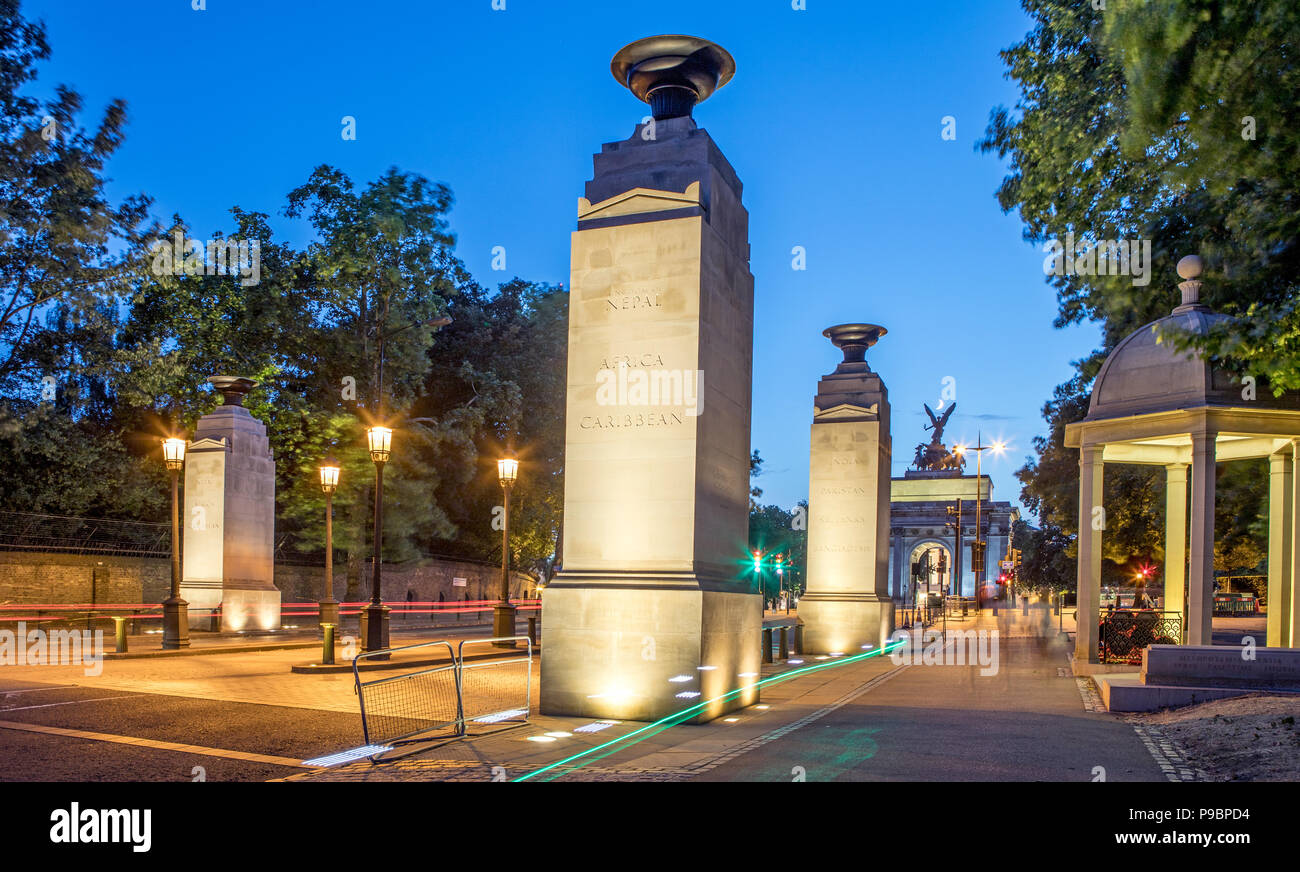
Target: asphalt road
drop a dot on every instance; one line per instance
(295, 733)
(259, 729)
(918, 726)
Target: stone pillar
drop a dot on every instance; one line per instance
(1281, 522)
(1200, 576)
(1091, 523)
(229, 522)
(1176, 541)
(656, 488)
(847, 604)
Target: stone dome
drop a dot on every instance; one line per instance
(1145, 375)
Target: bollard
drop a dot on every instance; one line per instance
(767, 644)
(784, 652)
(532, 630)
(327, 648)
(119, 635)
(798, 638)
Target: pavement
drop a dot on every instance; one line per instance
(242, 715)
(869, 719)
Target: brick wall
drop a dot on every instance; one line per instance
(39, 577)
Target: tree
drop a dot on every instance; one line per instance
(773, 533)
(57, 228)
(1130, 125)
(495, 386)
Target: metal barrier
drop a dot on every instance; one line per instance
(407, 708)
(1124, 635)
(495, 691)
(397, 708)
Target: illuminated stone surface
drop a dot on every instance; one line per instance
(656, 494)
(847, 602)
(229, 523)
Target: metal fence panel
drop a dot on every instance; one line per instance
(400, 707)
(496, 691)
(456, 697)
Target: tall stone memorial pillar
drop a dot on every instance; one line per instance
(229, 521)
(651, 613)
(847, 605)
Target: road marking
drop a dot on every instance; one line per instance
(23, 708)
(154, 744)
(9, 693)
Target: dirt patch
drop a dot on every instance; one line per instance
(1247, 738)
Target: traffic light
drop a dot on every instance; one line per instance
(977, 556)
(758, 562)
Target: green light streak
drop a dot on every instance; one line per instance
(674, 719)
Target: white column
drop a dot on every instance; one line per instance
(1290, 608)
(1090, 530)
(1281, 505)
(1200, 579)
(1176, 541)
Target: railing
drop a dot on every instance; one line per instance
(1125, 634)
(960, 605)
(409, 708)
(27, 531)
(907, 616)
(293, 615)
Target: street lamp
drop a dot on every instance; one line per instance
(329, 482)
(176, 611)
(503, 617)
(374, 617)
(980, 545)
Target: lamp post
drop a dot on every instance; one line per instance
(374, 617)
(503, 617)
(329, 482)
(977, 567)
(176, 611)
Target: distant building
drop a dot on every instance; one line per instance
(920, 522)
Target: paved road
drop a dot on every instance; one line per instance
(247, 704)
(948, 723)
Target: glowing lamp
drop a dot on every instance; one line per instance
(329, 475)
(174, 452)
(507, 470)
(380, 440)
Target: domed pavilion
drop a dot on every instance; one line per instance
(1154, 405)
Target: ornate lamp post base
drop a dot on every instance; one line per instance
(374, 627)
(176, 623)
(503, 623)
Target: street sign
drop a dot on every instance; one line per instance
(459, 582)
(1007, 564)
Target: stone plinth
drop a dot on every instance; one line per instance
(1221, 666)
(657, 439)
(847, 605)
(229, 523)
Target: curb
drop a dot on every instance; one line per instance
(336, 668)
(254, 647)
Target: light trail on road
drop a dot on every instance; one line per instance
(653, 729)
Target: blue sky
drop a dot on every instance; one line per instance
(832, 122)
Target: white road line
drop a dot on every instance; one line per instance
(52, 704)
(9, 693)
